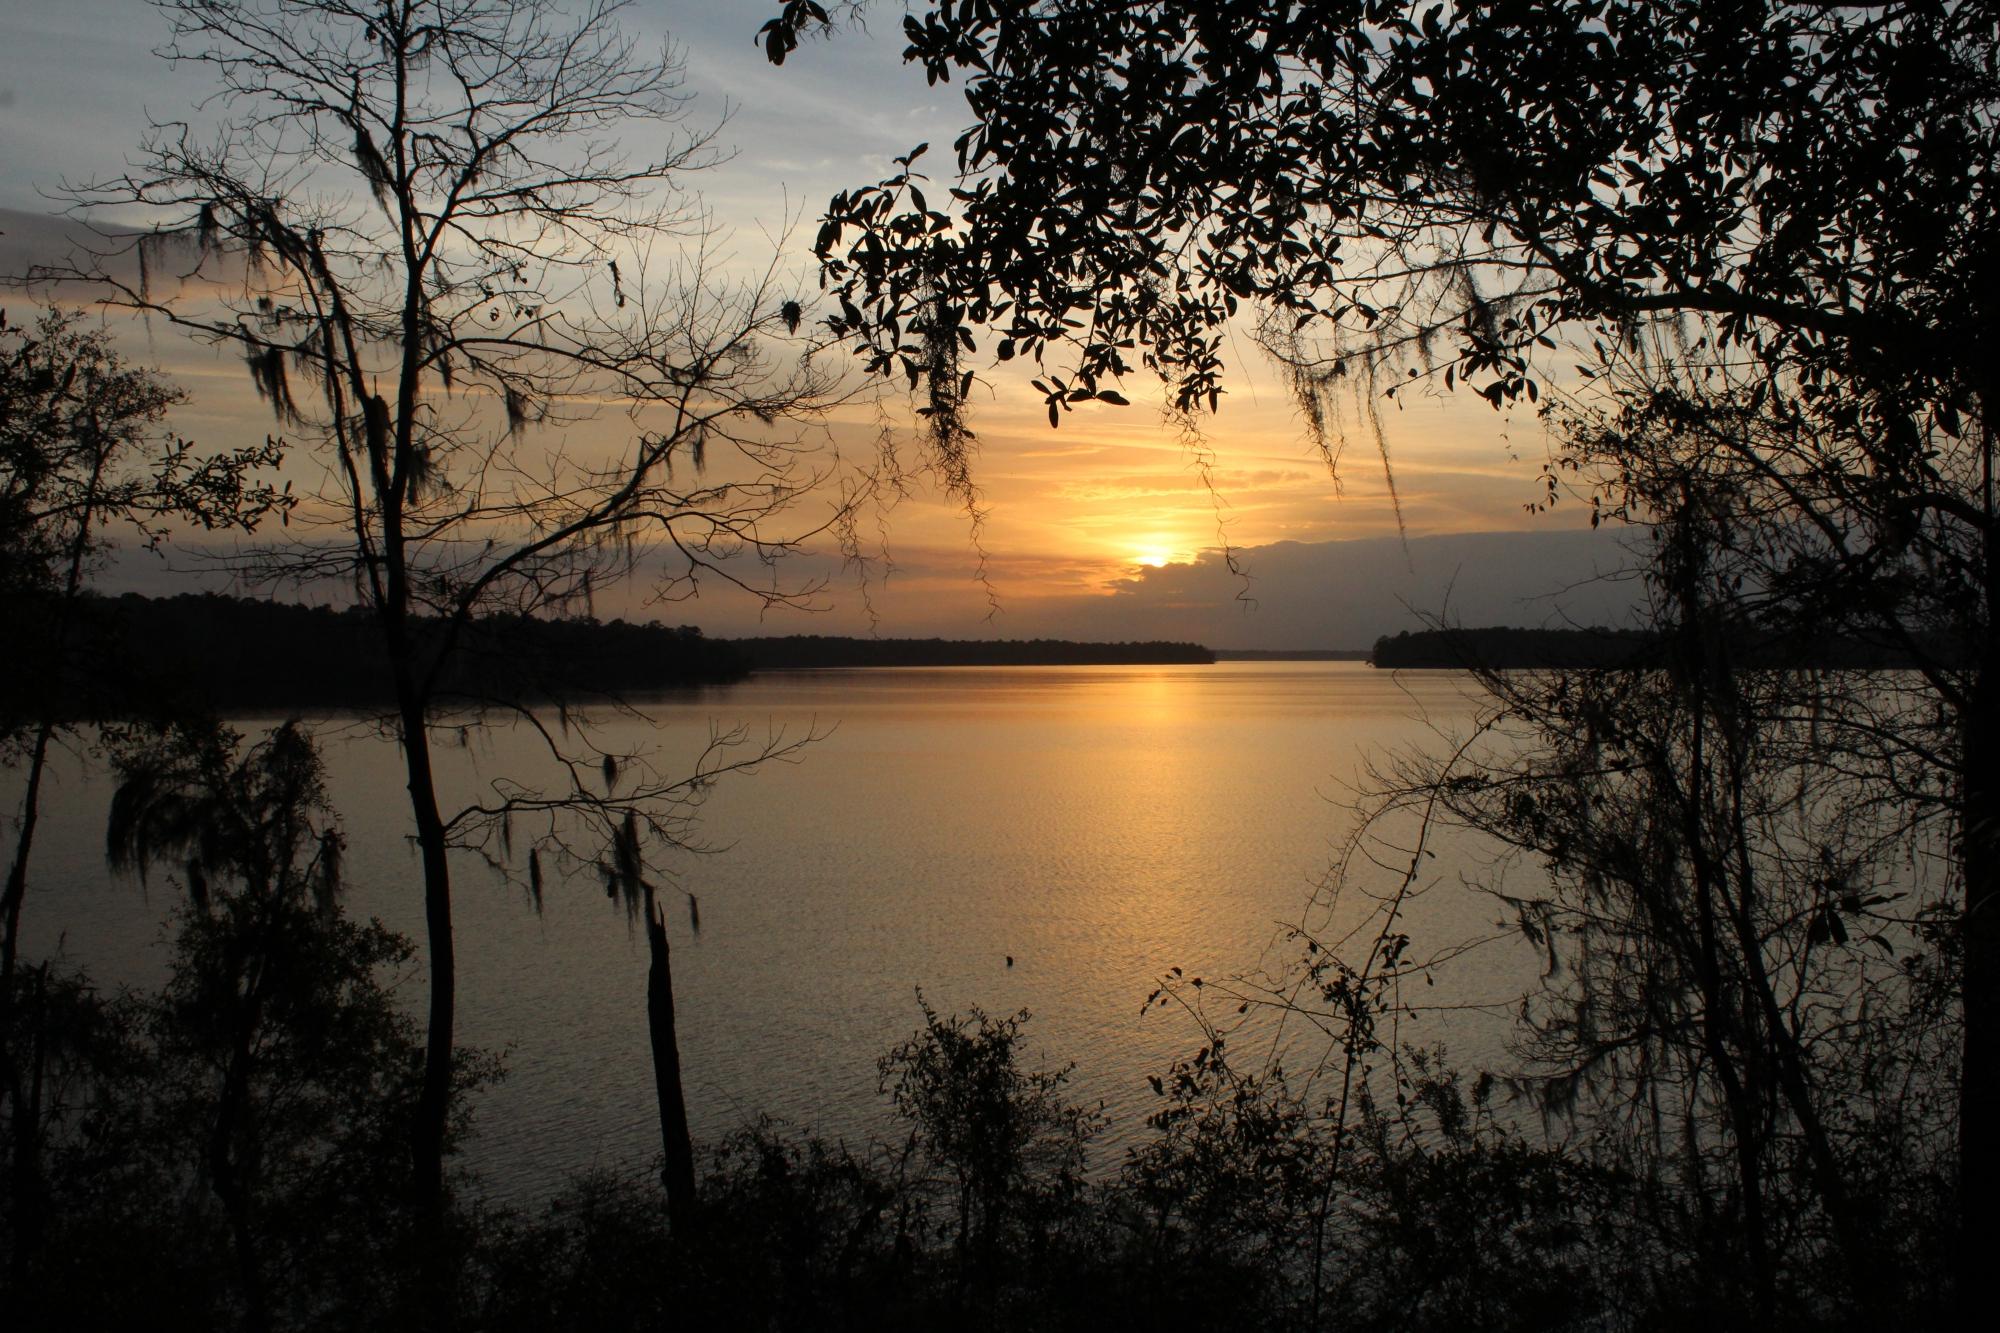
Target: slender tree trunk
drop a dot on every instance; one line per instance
(677, 1148)
(434, 1105)
(433, 1114)
(1700, 668)
(1721, 1021)
(1979, 852)
(17, 867)
(435, 1109)
(1979, 1087)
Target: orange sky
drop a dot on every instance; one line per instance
(1071, 511)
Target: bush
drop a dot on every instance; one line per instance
(1000, 1143)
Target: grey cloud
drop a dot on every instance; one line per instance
(1345, 594)
(1339, 594)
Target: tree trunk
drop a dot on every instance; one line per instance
(1979, 1087)
(427, 1134)
(677, 1148)
(17, 868)
(434, 1106)
(1979, 862)
(1721, 1024)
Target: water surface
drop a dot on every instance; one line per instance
(1098, 825)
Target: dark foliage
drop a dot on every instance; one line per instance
(1503, 648)
(1247, 1205)
(1809, 175)
(212, 651)
(231, 1150)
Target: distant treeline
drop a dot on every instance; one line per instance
(243, 653)
(227, 653)
(1504, 648)
(819, 650)
(1292, 654)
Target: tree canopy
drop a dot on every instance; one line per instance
(1762, 233)
(417, 224)
(1419, 186)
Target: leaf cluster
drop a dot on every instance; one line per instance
(1378, 177)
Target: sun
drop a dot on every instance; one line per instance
(1153, 557)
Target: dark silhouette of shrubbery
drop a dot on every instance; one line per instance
(228, 1152)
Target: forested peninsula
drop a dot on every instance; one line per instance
(816, 650)
(236, 653)
(1504, 648)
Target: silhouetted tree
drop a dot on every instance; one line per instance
(282, 1056)
(1745, 972)
(414, 224)
(229, 1150)
(1396, 190)
(1009, 1146)
(83, 455)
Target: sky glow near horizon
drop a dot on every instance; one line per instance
(1104, 527)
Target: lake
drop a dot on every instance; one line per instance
(1097, 825)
